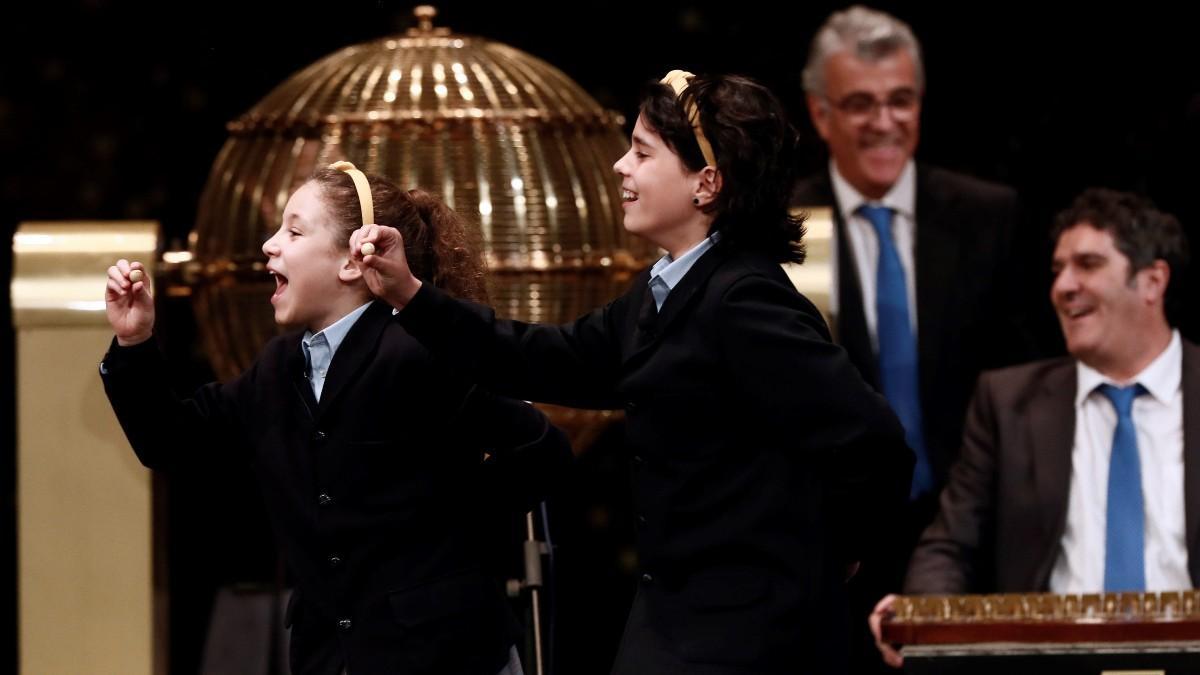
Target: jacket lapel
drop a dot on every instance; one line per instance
(679, 299)
(356, 350)
(936, 260)
(296, 376)
(851, 318)
(646, 324)
(1051, 437)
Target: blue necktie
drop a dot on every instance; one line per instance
(1124, 537)
(898, 375)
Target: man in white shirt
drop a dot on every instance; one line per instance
(1082, 474)
(923, 295)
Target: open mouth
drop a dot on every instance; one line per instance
(885, 151)
(628, 195)
(1077, 312)
(281, 283)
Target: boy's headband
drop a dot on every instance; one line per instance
(677, 80)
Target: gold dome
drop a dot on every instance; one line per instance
(508, 140)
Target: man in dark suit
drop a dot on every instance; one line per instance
(947, 238)
(1082, 474)
(922, 298)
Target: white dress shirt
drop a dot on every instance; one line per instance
(1158, 417)
(864, 244)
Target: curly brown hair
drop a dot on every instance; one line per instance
(440, 247)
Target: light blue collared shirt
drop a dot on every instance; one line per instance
(667, 273)
(320, 348)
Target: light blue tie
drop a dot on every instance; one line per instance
(1124, 537)
(898, 374)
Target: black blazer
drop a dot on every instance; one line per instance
(376, 494)
(1005, 508)
(968, 295)
(761, 459)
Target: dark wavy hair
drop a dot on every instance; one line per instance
(1140, 232)
(441, 249)
(755, 147)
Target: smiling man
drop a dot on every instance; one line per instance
(922, 302)
(923, 298)
(1082, 474)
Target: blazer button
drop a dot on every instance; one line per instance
(324, 499)
(647, 578)
(630, 406)
(334, 560)
(344, 625)
(638, 461)
(319, 437)
(641, 519)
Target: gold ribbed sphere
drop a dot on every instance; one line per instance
(508, 140)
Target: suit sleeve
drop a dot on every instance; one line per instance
(166, 431)
(949, 556)
(573, 364)
(785, 367)
(528, 456)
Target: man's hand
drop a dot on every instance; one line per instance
(882, 611)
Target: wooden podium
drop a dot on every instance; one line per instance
(1096, 634)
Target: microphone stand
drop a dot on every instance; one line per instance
(533, 549)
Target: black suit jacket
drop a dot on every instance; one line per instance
(376, 493)
(759, 453)
(1005, 508)
(967, 295)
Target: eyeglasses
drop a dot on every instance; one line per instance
(860, 106)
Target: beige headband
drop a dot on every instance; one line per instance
(362, 187)
(677, 80)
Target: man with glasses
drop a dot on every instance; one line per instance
(921, 298)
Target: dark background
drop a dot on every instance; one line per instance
(115, 110)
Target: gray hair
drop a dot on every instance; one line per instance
(867, 34)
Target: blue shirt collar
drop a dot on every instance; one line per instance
(667, 272)
(336, 332)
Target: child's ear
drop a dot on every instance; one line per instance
(349, 272)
